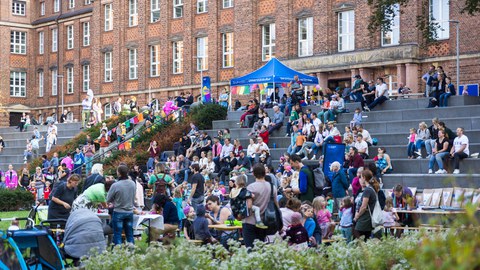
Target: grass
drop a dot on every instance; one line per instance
(5, 224)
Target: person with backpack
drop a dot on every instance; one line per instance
(306, 182)
(197, 193)
(160, 181)
(365, 204)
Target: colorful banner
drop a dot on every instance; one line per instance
(206, 93)
(121, 146)
(127, 124)
(140, 117)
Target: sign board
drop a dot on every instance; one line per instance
(472, 89)
(333, 152)
(206, 90)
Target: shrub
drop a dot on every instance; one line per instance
(14, 200)
(204, 114)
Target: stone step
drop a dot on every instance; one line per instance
(400, 151)
(42, 127)
(424, 181)
(15, 143)
(18, 166)
(27, 135)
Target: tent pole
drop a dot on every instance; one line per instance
(230, 99)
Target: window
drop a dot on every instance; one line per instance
(132, 64)
(202, 53)
(86, 78)
(42, 9)
(132, 13)
(346, 31)
(305, 37)
(18, 84)
(71, 3)
(54, 39)
(56, 5)
(227, 50)
(107, 110)
(86, 34)
(108, 67)
(88, 2)
(108, 17)
(54, 82)
(392, 37)
(227, 3)
(18, 8)
(155, 61)
(202, 6)
(70, 37)
(41, 40)
(268, 41)
(177, 57)
(154, 10)
(40, 84)
(18, 42)
(440, 14)
(70, 80)
(177, 8)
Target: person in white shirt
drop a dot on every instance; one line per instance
(365, 134)
(261, 146)
(316, 122)
(252, 148)
(381, 94)
(86, 108)
(361, 146)
(460, 149)
(226, 149)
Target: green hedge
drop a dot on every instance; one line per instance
(203, 115)
(14, 200)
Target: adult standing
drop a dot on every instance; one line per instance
(381, 94)
(95, 178)
(460, 149)
(97, 109)
(88, 152)
(261, 190)
(277, 121)
(365, 203)
(339, 184)
(11, 178)
(117, 106)
(198, 188)
(63, 195)
(86, 108)
(122, 195)
(429, 79)
(223, 99)
(104, 141)
(306, 181)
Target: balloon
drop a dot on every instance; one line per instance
(317, 87)
(284, 85)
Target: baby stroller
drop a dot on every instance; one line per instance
(29, 248)
(55, 227)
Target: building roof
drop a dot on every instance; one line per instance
(63, 16)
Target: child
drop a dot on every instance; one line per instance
(381, 163)
(187, 223)
(27, 156)
(32, 189)
(346, 218)
(309, 224)
(324, 217)
(78, 161)
(298, 236)
(241, 202)
(390, 216)
(14, 226)
(200, 226)
(357, 118)
(411, 143)
(177, 200)
(329, 202)
(172, 164)
(46, 192)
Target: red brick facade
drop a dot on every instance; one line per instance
(404, 62)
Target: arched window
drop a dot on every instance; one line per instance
(107, 110)
(70, 117)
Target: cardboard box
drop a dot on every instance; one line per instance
(447, 197)
(457, 197)
(436, 197)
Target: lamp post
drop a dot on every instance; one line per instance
(61, 76)
(457, 26)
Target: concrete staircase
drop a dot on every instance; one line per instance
(15, 142)
(390, 123)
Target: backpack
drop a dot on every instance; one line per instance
(320, 181)
(161, 185)
(238, 205)
(272, 217)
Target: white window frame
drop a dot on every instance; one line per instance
(177, 57)
(86, 34)
(54, 82)
(132, 64)
(268, 41)
(441, 15)
(70, 80)
(305, 37)
(177, 9)
(202, 54)
(108, 67)
(56, 5)
(227, 3)
(154, 11)
(346, 31)
(154, 60)
(54, 39)
(392, 37)
(70, 37)
(18, 84)
(41, 42)
(132, 13)
(71, 4)
(18, 42)
(107, 110)
(41, 79)
(19, 7)
(42, 8)
(108, 17)
(85, 78)
(227, 50)
(202, 6)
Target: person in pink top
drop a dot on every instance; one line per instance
(169, 107)
(412, 137)
(68, 161)
(324, 217)
(11, 178)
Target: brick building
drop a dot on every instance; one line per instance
(54, 50)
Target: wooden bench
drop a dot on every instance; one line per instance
(428, 228)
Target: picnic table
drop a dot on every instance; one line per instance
(224, 227)
(443, 217)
